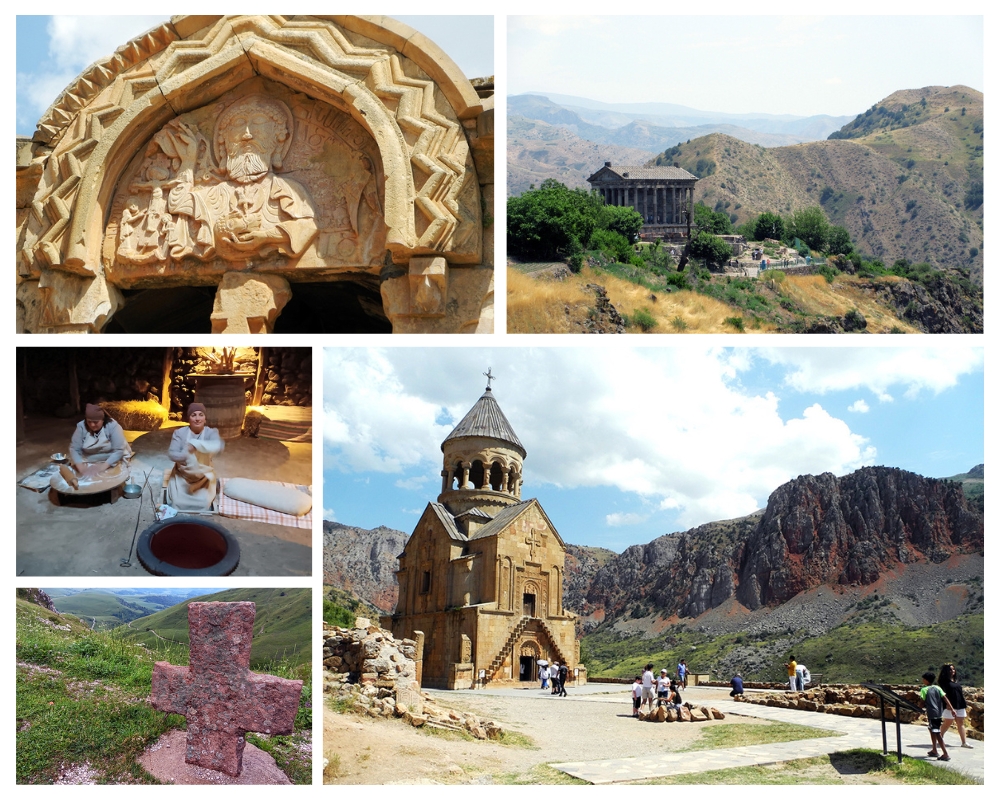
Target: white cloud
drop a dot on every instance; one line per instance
(329, 515)
(859, 406)
(673, 425)
(879, 369)
(78, 41)
(413, 483)
(618, 519)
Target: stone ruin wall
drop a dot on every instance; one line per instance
(136, 373)
(857, 701)
(369, 672)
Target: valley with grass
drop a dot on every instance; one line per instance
(83, 710)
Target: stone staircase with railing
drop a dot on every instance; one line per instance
(508, 646)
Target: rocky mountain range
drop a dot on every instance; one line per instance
(820, 538)
(363, 562)
(904, 177)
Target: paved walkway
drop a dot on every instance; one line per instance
(855, 732)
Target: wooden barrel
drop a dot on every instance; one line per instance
(225, 402)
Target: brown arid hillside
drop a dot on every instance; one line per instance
(363, 562)
(906, 181)
(537, 151)
(553, 300)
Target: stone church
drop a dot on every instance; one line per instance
(256, 174)
(664, 196)
(482, 574)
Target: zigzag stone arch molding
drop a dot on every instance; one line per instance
(434, 146)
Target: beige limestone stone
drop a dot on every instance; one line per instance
(249, 303)
(129, 181)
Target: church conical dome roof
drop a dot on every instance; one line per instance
(486, 419)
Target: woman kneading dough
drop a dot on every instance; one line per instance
(192, 487)
(98, 446)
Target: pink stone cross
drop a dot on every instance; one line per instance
(221, 698)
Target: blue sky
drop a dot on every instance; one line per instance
(53, 50)
(626, 444)
(802, 65)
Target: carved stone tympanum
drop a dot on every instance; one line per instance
(340, 150)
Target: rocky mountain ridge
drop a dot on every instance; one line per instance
(363, 562)
(822, 541)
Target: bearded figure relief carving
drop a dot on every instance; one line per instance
(225, 203)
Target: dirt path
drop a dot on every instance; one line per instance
(548, 730)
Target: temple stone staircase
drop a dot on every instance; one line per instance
(509, 644)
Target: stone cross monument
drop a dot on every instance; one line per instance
(221, 698)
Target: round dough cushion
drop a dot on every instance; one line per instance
(269, 495)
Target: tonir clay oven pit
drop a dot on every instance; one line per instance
(188, 546)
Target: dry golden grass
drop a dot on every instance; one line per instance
(815, 296)
(541, 306)
(136, 415)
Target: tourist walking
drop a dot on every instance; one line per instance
(935, 702)
(790, 666)
(554, 676)
(563, 677)
(648, 690)
(543, 673)
(682, 673)
(948, 681)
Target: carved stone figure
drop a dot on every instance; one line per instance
(237, 210)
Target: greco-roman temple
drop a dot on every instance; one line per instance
(256, 174)
(664, 196)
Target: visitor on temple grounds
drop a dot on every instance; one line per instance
(543, 673)
(802, 677)
(737, 683)
(948, 680)
(935, 702)
(682, 673)
(662, 687)
(675, 694)
(563, 677)
(790, 666)
(636, 695)
(554, 677)
(648, 687)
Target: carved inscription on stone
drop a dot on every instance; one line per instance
(250, 182)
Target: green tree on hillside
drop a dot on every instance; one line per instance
(551, 221)
(709, 221)
(768, 226)
(838, 241)
(622, 219)
(811, 226)
(711, 248)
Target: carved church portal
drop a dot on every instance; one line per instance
(527, 669)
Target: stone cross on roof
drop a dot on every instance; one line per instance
(489, 376)
(221, 698)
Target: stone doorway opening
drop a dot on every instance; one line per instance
(526, 672)
(335, 307)
(178, 309)
(528, 605)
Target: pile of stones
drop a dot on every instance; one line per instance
(367, 671)
(684, 713)
(857, 701)
(289, 377)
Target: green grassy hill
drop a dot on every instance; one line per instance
(282, 628)
(870, 648)
(83, 703)
(101, 609)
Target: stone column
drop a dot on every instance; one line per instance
(465, 475)
(249, 302)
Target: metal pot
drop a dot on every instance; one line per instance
(132, 490)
